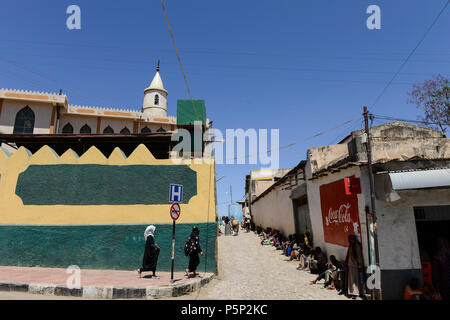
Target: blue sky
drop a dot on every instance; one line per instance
(298, 66)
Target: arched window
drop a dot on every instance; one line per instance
(160, 130)
(67, 129)
(24, 121)
(125, 131)
(108, 130)
(85, 129)
(146, 130)
(156, 99)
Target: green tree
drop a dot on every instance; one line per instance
(433, 97)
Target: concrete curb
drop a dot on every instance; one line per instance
(109, 292)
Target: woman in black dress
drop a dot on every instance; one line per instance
(151, 252)
(192, 249)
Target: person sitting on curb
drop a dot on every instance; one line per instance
(412, 290)
(305, 258)
(330, 274)
(319, 262)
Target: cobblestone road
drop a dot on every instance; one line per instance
(248, 270)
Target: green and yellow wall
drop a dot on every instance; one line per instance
(92, 211)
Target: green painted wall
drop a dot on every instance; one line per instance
(101, 246)
(93, 184)
(186, 114)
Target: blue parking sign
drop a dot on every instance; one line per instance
(176, 193)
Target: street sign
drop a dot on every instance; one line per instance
(175, 211)
(176, 193)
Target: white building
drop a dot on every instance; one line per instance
(27, 112)
(329, 194)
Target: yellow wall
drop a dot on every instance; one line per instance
(201, 208)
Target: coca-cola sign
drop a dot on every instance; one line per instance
(340, 215)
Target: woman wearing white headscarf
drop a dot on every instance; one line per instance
(151, 252)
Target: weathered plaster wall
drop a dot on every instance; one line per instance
(61, 225)
(315, 211)
(397, 234)
(402, 141)
(261, 186)
(324, 156)
(275, 210)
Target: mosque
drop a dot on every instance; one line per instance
(26, 113)
(79, 185)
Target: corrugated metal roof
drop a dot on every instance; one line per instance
(420, 179)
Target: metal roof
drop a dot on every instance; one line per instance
(420, 179)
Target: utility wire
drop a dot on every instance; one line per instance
(178, 57)
(409, 55)
(301, 140)
(404, 120)
(224, 66)
(77, 45)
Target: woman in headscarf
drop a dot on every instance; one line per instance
(354, 263)
(151, 252)
(192, 249)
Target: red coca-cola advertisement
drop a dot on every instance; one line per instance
(340, 216)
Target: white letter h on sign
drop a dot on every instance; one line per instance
(176, 193)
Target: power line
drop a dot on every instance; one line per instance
(178, 57)
(409, 55)
(404, 120)
(139, 61)
(225, 66)
(350, 128)
(227, 53)
(301, 140)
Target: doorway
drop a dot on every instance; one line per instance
(433, 234)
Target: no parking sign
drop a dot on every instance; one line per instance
(175, 211)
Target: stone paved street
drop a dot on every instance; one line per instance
(251, 271)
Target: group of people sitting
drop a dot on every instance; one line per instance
(346, 277)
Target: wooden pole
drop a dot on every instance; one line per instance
(376, 292)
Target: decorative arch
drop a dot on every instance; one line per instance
(125, 130)
(67, 129)
(85, 129)
(108, 130)
(146, 130)
(24, 122)
(160, 130)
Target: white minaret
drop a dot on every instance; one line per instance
(155, 98)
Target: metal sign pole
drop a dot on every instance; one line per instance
(173, 251)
